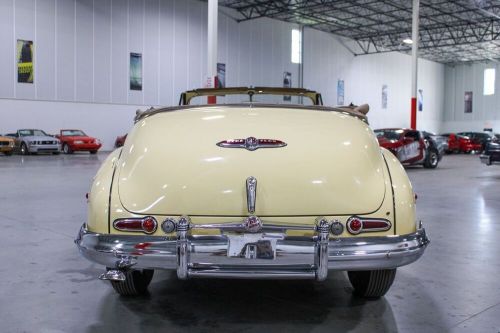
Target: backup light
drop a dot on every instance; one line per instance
(146, 224)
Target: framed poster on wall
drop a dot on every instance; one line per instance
(384, 96)
(135, 71)
(24, 58)
(468, 102)
(420, 100)
(340, 92)
(221, 75)
(287, 83)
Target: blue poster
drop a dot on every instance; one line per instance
(340, 92)
(420, 102)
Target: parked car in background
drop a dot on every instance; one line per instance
(6, 145)
(461, 144)
(34, 141)
(491, 154)
(120, 141)
(412, 146)
(76, 140)
(231, 198)
(480, 137)
(441, 142)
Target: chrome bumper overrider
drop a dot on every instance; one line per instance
(276, 257)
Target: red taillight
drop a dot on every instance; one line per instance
(356, 225)
(147, 224)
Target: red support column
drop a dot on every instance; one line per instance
(213, 99)
(413, 113)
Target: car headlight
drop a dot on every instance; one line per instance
(97, 141)
(31, 143)
(78, 142)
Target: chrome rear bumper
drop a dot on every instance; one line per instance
(209, 256)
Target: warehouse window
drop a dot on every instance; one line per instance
(489, 81)
(296, 46)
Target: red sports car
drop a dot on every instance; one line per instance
(76, 140)
(120, 140)
(412, 146)
(460, 143)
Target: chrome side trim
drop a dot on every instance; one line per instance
(207, 256)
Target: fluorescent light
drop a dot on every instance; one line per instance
(407, 41)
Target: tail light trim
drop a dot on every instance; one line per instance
(135, 224)
(367, 225)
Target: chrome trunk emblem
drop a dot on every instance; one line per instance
(251, 143)
(252, 224)
(251, 194)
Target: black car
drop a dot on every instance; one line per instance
(480, 137)
(491, 154)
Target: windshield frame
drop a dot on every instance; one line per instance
(82, 133)
(32, 132)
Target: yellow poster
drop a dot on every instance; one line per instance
(25, 70)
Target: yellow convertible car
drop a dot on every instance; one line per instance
(252, 189)
(6, 145)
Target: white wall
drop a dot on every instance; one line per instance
(364, 76)
(485, 109)
(82, 61)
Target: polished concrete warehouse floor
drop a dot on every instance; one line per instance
(47, 287)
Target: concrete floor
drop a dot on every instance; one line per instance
(47, 287)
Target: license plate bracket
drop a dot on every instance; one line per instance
(253, 246)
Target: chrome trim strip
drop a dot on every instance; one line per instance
(296, 257)
(240, 227)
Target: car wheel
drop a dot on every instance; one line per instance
(67, 149)
(371, 284)
(93, 152)
(136, 282)
(432, 160)
(24, 149)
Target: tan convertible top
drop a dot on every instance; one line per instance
(186, 97)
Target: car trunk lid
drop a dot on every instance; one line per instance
(171, 164)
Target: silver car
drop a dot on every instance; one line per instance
(34, 141)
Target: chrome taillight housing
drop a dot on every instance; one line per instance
(146, 224)
(356, 225)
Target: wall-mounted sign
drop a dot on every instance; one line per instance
(420, 100)
(468, 102)
(135, 71)
(221, 75)
(24, 57)
(287, 83)
(384, 96)
(340, 92)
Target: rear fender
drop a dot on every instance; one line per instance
(98, 201)
(404, 197)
